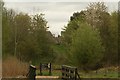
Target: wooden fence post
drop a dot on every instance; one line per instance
(40, 68)
(76, 74)
(63, 72)
(32, 72)
(50, 69)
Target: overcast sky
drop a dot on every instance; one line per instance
(56, 13)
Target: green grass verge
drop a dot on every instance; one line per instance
(99, 75)
(82, 75)
(46, 73)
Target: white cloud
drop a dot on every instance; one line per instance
(61, 0)
(56, 13)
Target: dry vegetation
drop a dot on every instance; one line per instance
(12, 67)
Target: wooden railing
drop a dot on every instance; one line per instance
(46, 66)
(69, 73)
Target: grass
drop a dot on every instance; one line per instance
(46, 72)
(99, 75)
(84, 75)
(92, 74)
(12, 67)
(106, 72)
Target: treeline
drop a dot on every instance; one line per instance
(89, 41)
(26, 37)
(91, 37)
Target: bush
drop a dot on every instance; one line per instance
(86, 48)
(12, 67)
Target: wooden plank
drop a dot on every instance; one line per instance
(47, 76)
(68, 66)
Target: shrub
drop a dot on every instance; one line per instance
(12, 67)
(86, 48)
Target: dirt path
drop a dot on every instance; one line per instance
(47, 76)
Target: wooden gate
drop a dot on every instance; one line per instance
(69, 73)
(46, 66)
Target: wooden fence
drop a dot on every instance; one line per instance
(32, 70)
(46, 66)
(70, 73)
